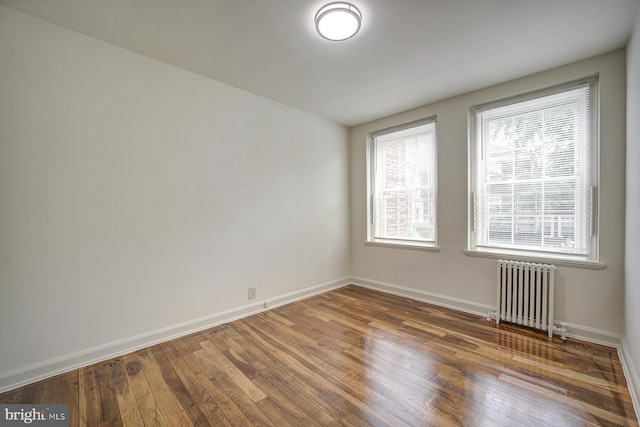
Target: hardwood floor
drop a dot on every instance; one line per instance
(349, 357)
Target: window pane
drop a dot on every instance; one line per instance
(532, 179)
(405, 184)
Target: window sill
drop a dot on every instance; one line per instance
(411, 246)
(590, 265)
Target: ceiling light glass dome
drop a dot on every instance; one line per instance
(338, 21)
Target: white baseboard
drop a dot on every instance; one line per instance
(305, 293)
(49, 368)
(428, 297)
(592, 335)
(631, 374)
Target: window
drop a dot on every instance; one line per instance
(403, 184)
(533, 163)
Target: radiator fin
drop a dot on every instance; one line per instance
(526, 294)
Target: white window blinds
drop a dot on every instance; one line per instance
(404, 183)
(533, 183)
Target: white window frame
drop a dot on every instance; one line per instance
(371, 166)
(591, 260)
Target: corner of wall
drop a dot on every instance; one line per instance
(630, 349)
(631, 375)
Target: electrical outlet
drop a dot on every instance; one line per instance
(252, 292)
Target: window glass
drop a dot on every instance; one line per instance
(532, 173)
(403, 184)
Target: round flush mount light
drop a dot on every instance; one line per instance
(338, 21)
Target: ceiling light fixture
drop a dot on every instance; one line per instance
(338, 21)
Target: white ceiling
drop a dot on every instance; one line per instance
(408, 53)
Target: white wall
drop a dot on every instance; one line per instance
(632, 250)
(135, 196)
(590, 301)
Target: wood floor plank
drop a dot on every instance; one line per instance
(300, 410)
(229, 389)
(147, 404)
(127, 403)
(275, 375)
(299, 379)
(163, 394)
(12, 397)
(230, 409)
(334, 385)
(32, 393)
(236, 375)
(187, 349)
(62, 389)
(588, 411)
(273, 411)
(107, 395)
(350, 357)
(89, 398)
(197, 392)
(163, 355)
(382, 391)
